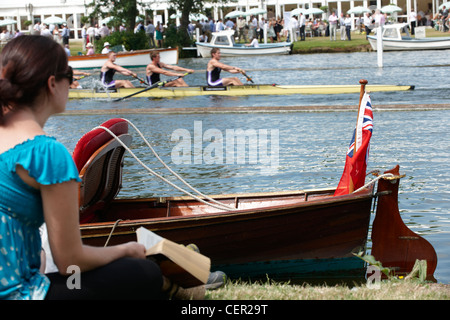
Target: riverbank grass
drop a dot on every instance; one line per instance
(412, 289)
(413, 286)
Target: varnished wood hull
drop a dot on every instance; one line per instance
(280, 236)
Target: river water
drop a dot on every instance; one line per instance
(296, 150)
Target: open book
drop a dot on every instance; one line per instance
(183, 266)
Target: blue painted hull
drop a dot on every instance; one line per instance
(283, 270)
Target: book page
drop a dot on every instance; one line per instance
(147, 238)
(184, 266)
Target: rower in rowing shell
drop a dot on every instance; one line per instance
(108, 70)
(75, 84)
(156, 68)
(215, 67)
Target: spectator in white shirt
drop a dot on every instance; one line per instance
(413, 20)
(332, 20)
(254, 43)
(104, 31)
(106, 48)
(367, 23)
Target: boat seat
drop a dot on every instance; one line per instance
(99, 159)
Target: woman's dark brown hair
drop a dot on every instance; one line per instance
(26, 63)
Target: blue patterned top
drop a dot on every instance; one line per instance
(21, 213)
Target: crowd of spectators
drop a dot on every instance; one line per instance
(247, 28)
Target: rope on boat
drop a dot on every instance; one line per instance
(389, 176)
(173, 172)
(217, 205)
(177, 175)
(112, 231)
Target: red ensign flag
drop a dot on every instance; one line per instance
(354, 174)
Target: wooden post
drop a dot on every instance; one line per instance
(380, 46)
(363, 83)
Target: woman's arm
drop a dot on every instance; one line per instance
(60, 203)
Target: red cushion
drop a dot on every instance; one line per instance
(94, 139)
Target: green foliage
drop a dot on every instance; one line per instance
(129, 39)
(371, 261)
(176, 37)
(84, 20)
(121, 10)
(191, 5)
(419, 269)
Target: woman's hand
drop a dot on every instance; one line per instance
(134, 250)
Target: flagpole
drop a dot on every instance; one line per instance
(363, 83)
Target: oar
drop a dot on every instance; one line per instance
(81, 77)
(141, 80)
(245, 75)
(158, 84)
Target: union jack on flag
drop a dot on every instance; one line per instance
(354, 174)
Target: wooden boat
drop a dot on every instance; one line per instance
(309, 234)
(393, 40)
(245, 90)
(284, 235)
(224, 40)
(303, 234)
(136, 58)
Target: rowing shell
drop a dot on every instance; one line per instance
(245, 90)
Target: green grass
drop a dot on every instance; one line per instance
(413, 286)
(388, 290)
(358, 43)
(324, 44)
